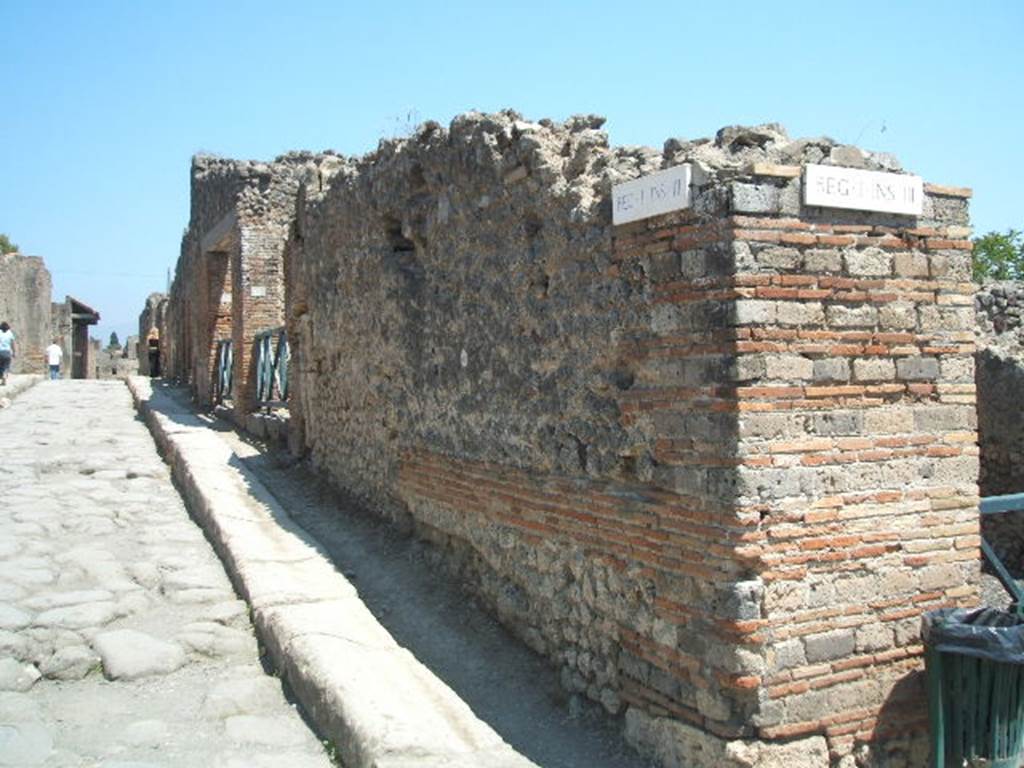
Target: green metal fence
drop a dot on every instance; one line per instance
(223, 380)
(272, 358)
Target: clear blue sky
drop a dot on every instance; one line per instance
(103, 102)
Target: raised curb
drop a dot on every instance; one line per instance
(18, 383)
(380, 706)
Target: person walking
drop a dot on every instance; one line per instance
(7, 350)
(54, 354)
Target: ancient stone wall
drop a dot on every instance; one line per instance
(1000, 376)
(116, 362)
(150, 326)
(25, 288)
(1000, 380)
(228, 281)
(714, 464)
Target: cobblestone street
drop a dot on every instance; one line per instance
(122, 643)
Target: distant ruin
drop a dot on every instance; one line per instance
(115, 362)
(148, 350)
(714, 462)
(25, 289)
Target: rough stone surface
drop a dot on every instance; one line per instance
(1000, 378)
(25, 288)
(655, 450)
(151, 320)
(128, 654)
(678, 745)
(84, 491)
(999, 374)
(15, 676)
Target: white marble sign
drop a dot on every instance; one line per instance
(652, 195)
(835, 187)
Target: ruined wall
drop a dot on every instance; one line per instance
(116, 362)
(151, 323)
(1000, 379)
(714, 464)
(228, 281)
(25, 287)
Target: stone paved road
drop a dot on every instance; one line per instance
(122, 644)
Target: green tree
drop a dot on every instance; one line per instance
(114, 342)
(6, 246)
(999, 256)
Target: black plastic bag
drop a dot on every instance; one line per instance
(985, 633)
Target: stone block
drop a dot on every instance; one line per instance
(693, 264)
(852, 317)
(829, 646)
(856, 589)
(812, 705)
(786, 655)
(831, 369)
(755, 198)
(869, 262)
(874, 637)
(897, 583)
(772, 425)
(800, 313)
(918, 368)
(929, 318)
(714, 705)
(818, 261)
(957, 318)
(820, 593)
(742, 601)
(888, 421)
(944, 418)
(897, 316)
(866, 693)
(935, 577)
(957, 368)
(662, 266)
(747, 368)
(665, 318)
(837, 423)
(874, 369)
(748, 311)
(788, 367)
(910, 265)
(779, 258)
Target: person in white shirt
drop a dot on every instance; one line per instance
(54, 354)
(6, 350)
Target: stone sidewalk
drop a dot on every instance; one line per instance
(122, 643)
(16, 384)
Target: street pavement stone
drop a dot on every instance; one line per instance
(122, 642)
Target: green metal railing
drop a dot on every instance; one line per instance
(223, 381)
(272, 358)
(997, 505)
